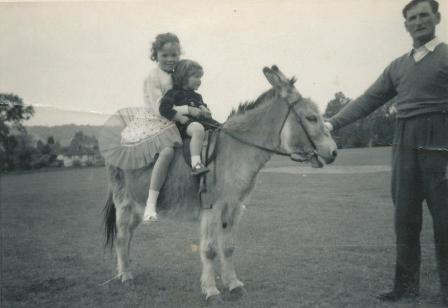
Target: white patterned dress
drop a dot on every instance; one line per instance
(133, 136)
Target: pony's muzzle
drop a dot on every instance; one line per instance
(332, 157)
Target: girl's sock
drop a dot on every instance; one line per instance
(195, 159)
(150, 213)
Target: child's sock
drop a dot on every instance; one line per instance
(150, 209)
(195, 159)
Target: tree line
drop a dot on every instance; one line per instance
(374, 130)
(19, 150)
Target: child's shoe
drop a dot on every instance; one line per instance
(199, 168)
(150, 214)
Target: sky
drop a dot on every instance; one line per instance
(79, 62)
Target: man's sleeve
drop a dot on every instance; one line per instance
(379, 93)
(167, 104)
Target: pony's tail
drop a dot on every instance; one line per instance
(110, 227)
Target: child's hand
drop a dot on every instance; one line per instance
(205, 112)
(181, 118)
(203, 108)
(194, 112)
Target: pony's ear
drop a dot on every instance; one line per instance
(273, 78)
(277, 71)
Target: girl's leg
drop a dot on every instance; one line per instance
(158, 176)
(197, 132)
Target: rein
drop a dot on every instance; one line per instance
(307, 154)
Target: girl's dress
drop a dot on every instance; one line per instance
(133, 136)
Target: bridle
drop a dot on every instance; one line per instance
(307, 155)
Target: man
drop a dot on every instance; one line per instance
(418, 82)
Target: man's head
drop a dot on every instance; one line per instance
(422, 17)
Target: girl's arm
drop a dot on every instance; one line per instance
(167, 104)
(152, 93)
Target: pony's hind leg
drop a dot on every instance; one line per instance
(226, 242)
(127, 221)
(208, 251)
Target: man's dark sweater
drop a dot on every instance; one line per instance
(417, 87)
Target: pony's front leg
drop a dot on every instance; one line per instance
(208, 251)
(226, 250)
(126, 223)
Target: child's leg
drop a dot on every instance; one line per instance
(159, 173)
(197, 132)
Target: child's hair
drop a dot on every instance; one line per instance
(162, 39)
(185, 69)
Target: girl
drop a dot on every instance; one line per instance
(187, 108)
(147, 137)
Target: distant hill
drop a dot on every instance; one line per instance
(48, 115)
(62, 133)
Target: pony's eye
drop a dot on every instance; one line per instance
(312, 118)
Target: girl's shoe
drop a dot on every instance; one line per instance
(150, 215)
(198, 169)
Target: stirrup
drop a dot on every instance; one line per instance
(198, 169)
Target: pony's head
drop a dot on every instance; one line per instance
(304, 130)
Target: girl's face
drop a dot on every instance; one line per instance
(168, 56)
(194, 81)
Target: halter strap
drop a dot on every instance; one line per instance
(307, 154)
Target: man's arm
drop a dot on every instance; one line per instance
(379, 93)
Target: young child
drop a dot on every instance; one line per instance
(187, 108)
(147, 137)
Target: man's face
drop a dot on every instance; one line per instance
(421, 23)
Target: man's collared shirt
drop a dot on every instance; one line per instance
(422, 51)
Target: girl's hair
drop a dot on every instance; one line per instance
(185, 69)
(161, 40)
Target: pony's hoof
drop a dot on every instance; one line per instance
(235, 284)
(237, 293)
(127, 279)
(212, 300)
(210, 292)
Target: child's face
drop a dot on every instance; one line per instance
(194, 81)
(168, 56)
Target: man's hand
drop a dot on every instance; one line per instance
(181, 118)
(329, 126)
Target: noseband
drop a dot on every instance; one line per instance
(307, 155)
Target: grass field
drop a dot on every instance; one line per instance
(307, 239)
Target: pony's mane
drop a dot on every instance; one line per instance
(249, 105)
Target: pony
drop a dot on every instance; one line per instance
(279, 121)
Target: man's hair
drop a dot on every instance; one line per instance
(434, 6)
(183, 70)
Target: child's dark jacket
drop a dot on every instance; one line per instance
(178, 96)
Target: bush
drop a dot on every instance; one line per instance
(77, 163)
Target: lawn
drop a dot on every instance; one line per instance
(307, 239)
